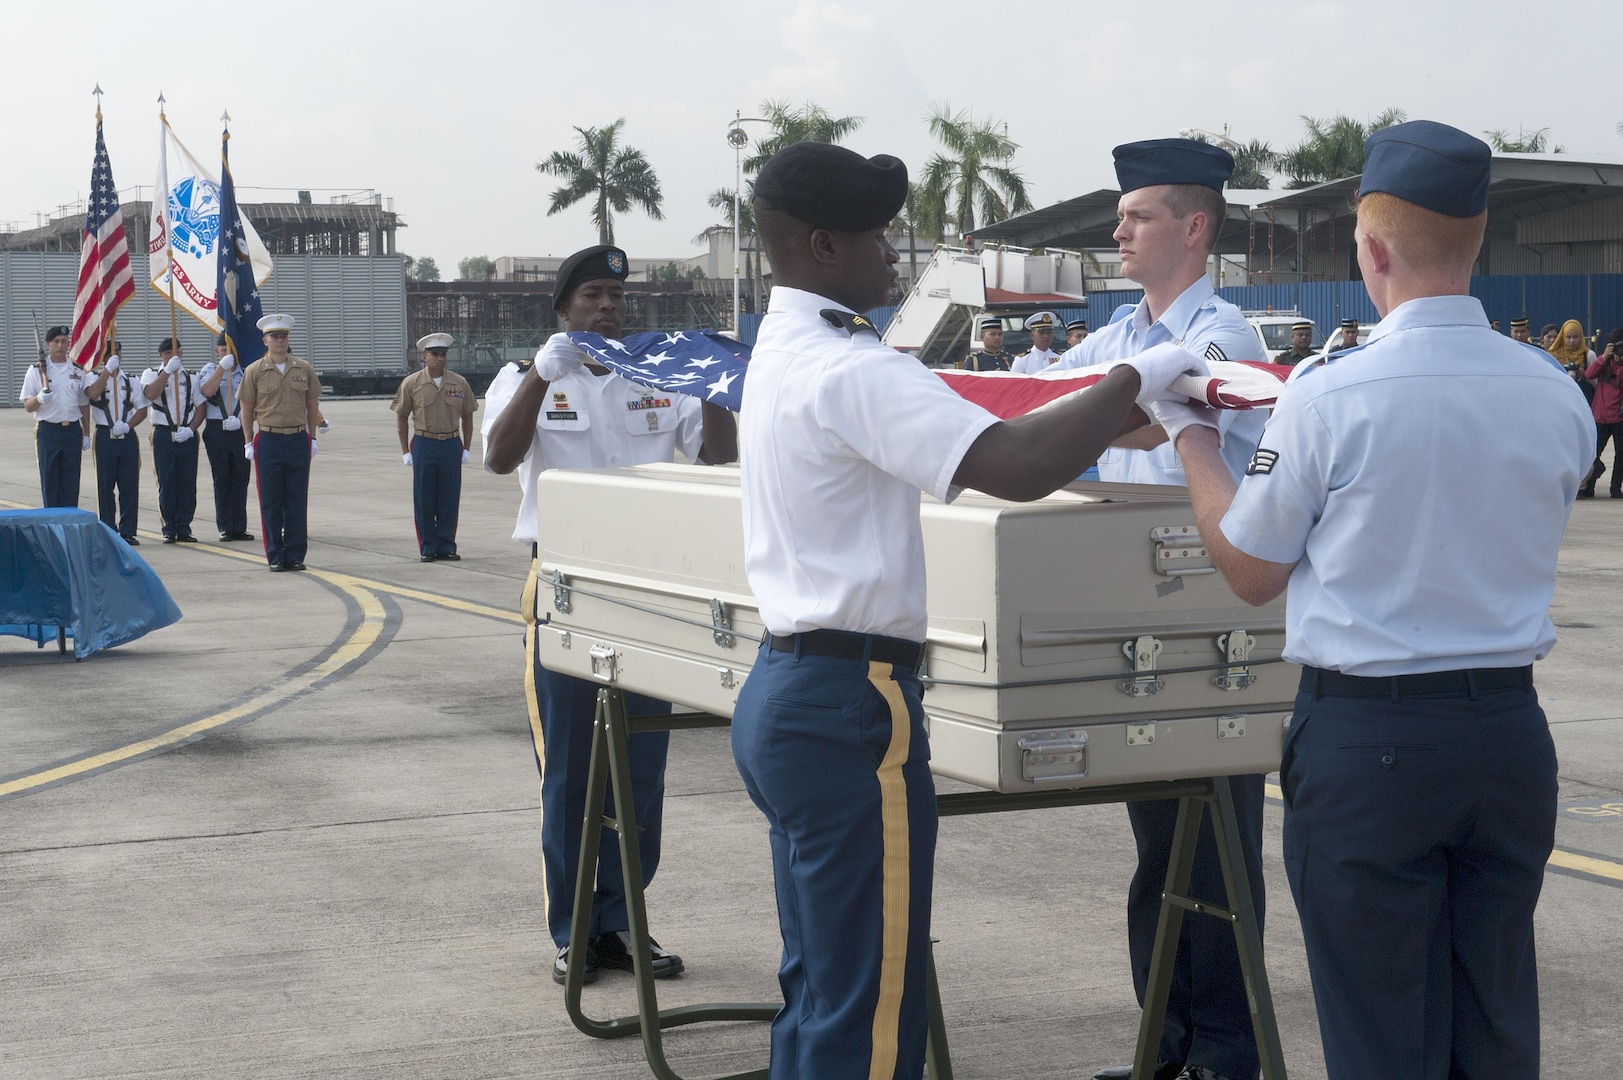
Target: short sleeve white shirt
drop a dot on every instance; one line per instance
(212, 411)
(129, 400)
(838, 435)
(1421, 485)
(67, 392)
(176, 402)
(1206, 325)
(594, 422)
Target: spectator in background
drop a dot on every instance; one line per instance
(1041, 326)
(991, 355)
(1349, 334)
(1301, 345)
(1573, 355)
(1521, 330)
(1605, 373)
(1075, 331)
(1547, 336)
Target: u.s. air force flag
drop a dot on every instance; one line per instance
(186, 232)
(709, 366)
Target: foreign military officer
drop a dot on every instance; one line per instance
(1075, 332)
(279, 391)
(1171, 211)
(1301, 345)
(176, 404)
(1349, 334)
(562, 413)
(1419, 774)
(991, 356)
(117, 406)
(839, 435)
(1041, 326)
(1521, 330)
(221, 382)
(54, 394)
(438, 405)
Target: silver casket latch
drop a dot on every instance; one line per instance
(603, 657)
(1179, 551)
(1054, 755)
(1231, 727)
(1236, 646)
(560, 593)
(1141, 653)
(722, 629)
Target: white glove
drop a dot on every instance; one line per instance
(173, 365)
(232, 423)
(112, 363)
(183, 434)
(120, 428)
(405, 459)
(465, 455)
(1175, 416)
(44, 396)
(315, 448)
(228, 362)
(84, 443)
(558, 357)
(248, 451)
(1158, 366)
(323, 427)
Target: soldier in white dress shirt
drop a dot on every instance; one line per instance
(176, 402)
(117, 406)
(53, 393)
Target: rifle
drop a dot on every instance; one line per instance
(39, 344)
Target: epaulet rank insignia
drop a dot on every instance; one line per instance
(844, 320)
(525, 365)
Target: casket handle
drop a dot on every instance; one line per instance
(1179, 551)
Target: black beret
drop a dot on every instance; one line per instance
(589, 264)
(57, 331)
(830, 187)
(219, 338)
(1434, 166)
(166, 343)
(1171, 161)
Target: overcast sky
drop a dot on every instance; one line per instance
(446, 107)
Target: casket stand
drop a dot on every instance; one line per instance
(1081, 650)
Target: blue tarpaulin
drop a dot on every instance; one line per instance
(63, 568)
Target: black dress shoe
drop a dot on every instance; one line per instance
(277, 568)
(295, 566)
(1201, 1072)
(242, 536)
(186, 538)
(132, 541)
(425, 558)
(448, 557)
(560, 966)
(226, 538)
(170, 539)
(614, 951)
(1164, 1070)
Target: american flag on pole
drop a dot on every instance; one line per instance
(712, 367)
(105, 278)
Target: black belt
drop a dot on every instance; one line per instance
(850, 646)
(61, 423)
(1465, 683)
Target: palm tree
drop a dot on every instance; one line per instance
(1525, 142)
(915, 220)
(972, 179)
(1253, 162)
(616, 176)
(1333, 148)
(797, 123)
(722, 199)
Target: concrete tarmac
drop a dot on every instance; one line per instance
(339, 874)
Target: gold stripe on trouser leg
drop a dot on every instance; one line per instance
(895, 877)
(528, 610)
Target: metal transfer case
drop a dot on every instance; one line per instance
(1079, 640)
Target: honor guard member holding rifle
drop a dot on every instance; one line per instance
(54, 394)
(280, 391)
(560, 413)
(438, 405)
(1041, 326)
(177, 415)
(221, 380)
(991, 356)
(117, 405)
(1170, 213)
(838, 436)
(1419, 775)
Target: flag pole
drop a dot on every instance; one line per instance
(112, 324)
(169, 255)
(225, 166)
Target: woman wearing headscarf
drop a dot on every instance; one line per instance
(1606, 374)
(1572, 354)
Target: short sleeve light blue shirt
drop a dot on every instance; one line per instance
(1205, 324)
(1420, 484)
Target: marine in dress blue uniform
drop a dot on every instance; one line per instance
(1164, 182)
(221, 383)
(1419, 774)
(176, 408)
(117, 407)
(280, 392)
(559, 414)
(839, 435)
(434, 410)
(53, 392)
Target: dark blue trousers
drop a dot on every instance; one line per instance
(118, 473)
(176, 465)
(436, 493)
(283, 467)
(1416, 833)
(60, 451)
(1208, 1020)
(229, 470)
(834, 753)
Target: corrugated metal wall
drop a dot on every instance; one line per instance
(351, 312)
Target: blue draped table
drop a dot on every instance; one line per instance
(63, 570)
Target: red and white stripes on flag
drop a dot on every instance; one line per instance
(1231, 384)
(105, 278)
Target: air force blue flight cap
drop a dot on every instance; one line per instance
(1171, 161)
(1432, 165)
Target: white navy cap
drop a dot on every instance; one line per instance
(1043, 320)
(275, 322)
(434, 341)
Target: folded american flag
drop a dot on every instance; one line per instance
(711, 366)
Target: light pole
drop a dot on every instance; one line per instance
(738, 138)
(1224, 140)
